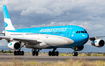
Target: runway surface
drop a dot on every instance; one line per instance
(28, 57)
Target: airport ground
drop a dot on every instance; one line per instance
(43, 57)
(8, 59)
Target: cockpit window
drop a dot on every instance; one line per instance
(78, 32)
(85, 31)
(81, 32)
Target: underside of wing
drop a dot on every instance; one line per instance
(97, 37)
(27, 41)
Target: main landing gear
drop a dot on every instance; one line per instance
(53, 53)
(34, 52)
(19, 52)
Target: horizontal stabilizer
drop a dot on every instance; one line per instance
(2, 33)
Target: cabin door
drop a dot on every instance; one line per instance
(68, 32)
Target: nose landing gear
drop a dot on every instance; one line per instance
(75, 53)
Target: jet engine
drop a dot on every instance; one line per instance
(14, 45)
(98, 43)
(79, 48)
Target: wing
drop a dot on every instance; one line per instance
(25, 40)
(97, 37)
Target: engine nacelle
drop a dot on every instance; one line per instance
(14, 45)
(79, 48)
(98, 43)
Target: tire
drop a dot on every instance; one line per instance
(75, 54)
(33, 53)
(50, 53)
(17, 52)
(57, 53)
(36, 53)
(22, 52)
(14, 52)
(53, 53)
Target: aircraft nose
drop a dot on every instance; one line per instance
(85, 37)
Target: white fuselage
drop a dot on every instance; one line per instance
(45, 40)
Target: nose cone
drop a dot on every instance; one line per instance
(79, 35)
(85, 37)
(80, 38)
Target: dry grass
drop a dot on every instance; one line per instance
(82, 54)
(70, 62)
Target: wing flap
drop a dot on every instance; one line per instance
(5, 37)
(2, 33)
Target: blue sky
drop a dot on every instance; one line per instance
(89, 14)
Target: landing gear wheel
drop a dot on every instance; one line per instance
(53, 53)
(57, 53)
(75, 53)
(14, 52)
(18, 52)
(33, 53)
(22, 52)
(50, 53)
(36, 53)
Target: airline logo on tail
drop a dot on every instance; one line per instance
(7, 20)
(5, 24)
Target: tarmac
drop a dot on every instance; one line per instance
(29, 58)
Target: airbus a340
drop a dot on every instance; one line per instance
(38, 38)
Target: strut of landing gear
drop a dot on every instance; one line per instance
(19, 52)
(53, 53)
(34, 52)
(75, 53)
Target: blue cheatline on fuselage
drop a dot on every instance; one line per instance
(69, 31)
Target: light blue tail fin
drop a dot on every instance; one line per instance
(7, 20)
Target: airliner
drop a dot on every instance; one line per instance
(53, 37)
